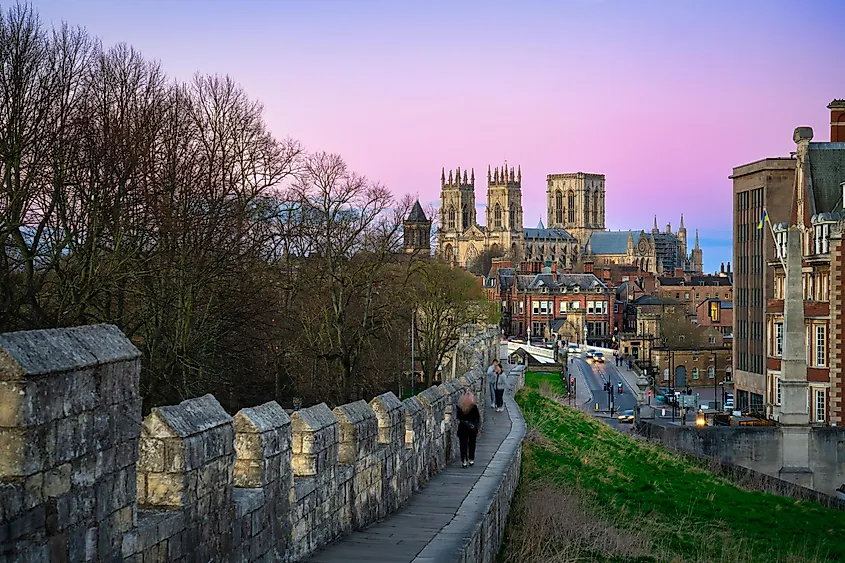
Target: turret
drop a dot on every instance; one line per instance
(655, 228)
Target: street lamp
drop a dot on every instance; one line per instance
(715, 379)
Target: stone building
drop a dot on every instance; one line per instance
(576, 226)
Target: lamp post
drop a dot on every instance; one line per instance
(715, 378)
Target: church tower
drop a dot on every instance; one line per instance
(457, 211)
(504, 208)
(575, 202)
(417, 231)
(683, 256)
(697, 257)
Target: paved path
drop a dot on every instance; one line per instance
(404, 534)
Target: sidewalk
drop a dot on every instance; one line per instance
(435, 522)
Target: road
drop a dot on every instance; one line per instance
(595, 374)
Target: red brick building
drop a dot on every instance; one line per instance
(817, 210)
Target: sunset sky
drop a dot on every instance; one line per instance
(663, 97)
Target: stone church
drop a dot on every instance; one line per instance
(575, 232)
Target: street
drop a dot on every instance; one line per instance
(594, 375)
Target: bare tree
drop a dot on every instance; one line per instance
(445, 299)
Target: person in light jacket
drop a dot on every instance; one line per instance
(491, 376)
(469, 423)
(499, 388)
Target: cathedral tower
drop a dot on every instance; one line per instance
(504, 208)
(457, 210)
(575, 202)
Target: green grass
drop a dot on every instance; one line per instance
(551, 379)
(684, 511)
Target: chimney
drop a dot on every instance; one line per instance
(729, 267)
(679, 272)
(837, 121)
(722, 268)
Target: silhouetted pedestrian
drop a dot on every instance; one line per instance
(469, 421)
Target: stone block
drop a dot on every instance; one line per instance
(390, 416)
(415, 417)
(262, 434)
(358, 431)
(316, 429)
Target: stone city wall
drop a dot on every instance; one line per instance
(84, 478)
(759, 449)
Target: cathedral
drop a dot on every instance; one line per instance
(574, 231)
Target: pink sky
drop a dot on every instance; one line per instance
(663, 97)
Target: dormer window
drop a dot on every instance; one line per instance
(821, 238)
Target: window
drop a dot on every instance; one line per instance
(677, 295)
(778, 340)
(497, 216)
(562, 307)
(586, 208)
(821, 357)
(596, 207)
(695, 373)
(686, 295)
(575, 305)
(465, 217)
(521, 308)
(777, 391)
(820, 406)
(711, 372)
(590, 306)
(570, 203)
(450, 224)
(544, 308)
(558, 207)
(715, 311)
(711, 339)
(535, 307)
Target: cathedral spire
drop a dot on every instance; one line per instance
(489, 177)
(519, 174)
(450, 177)
(682, 222)
(655, 228)
(472, 177)
(696, 240)
(458, 175)
(512, 177)
(442, 176)
(465, 178)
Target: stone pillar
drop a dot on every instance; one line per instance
(186, 462)
(70, 417)
(794, 415)
(794, 385)
(390, 415)
(837, 325)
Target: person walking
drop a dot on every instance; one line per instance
(491, 374)
(469, 421)
(499, 388)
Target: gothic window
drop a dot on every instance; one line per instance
(570, 204)
(596, 207)
(512, 219)
(450, 224)
(497, 216)
(586, 208)
(465, 218)
(558, 207)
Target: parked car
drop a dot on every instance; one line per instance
(626, 416)
(598, 356)
(729, 405)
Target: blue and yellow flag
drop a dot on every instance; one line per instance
(763, 219)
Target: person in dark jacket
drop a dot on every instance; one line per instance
(469, 421)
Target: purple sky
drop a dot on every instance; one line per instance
(663, 97)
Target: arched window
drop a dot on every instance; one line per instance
(448, 252)
(711, 372)
(558, 207)
(570, 204)
(450, 224)
(695, 373)
(512, 217)
(586, 208)
(465, 217)
(596, 207)
(497, 216)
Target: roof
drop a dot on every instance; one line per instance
(417, 214)
(670, 281)
(583, 282)
(654, 300)
(611, 242)
(827, 171)
(540, 233)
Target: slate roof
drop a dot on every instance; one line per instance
(506, 277)
(417, 214)
(694, 281)
(584, 282)
(611, 242)
(827, 171)
(654, 300)
(550, 234)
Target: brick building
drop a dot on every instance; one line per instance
(717, 313)
(817, 210)
(552, 305)
(691, 290)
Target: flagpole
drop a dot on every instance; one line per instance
(774, 239)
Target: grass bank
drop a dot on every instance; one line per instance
(589, 493)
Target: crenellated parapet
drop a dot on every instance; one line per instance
(82, 475)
